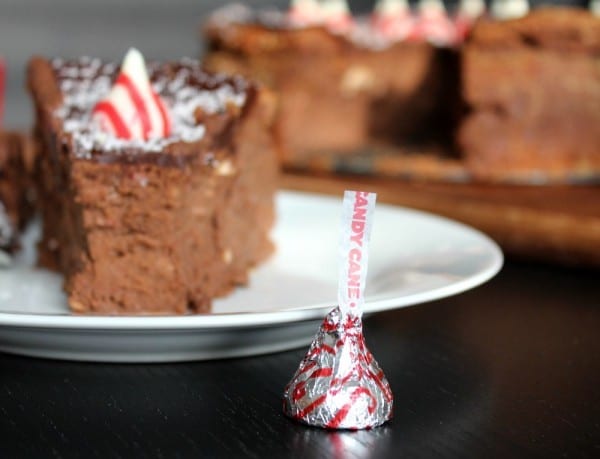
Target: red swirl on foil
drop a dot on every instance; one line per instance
(339, 385)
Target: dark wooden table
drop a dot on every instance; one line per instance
(510, 369)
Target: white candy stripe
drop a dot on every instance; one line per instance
(392, 7)
(135, 68)
(332, 9)
(431, 7)
(509, 9)
(472, 8)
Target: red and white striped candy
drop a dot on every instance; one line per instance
(304, 12)
(332, 14)
(338, 384)
(392, 19)
(336, 16)
(468, 12)
(433, 24)
(132, 110)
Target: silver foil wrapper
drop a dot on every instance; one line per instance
(339, 385)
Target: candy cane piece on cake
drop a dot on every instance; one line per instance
(393, 19)
(132, 109)
(434, 25)
(336, 16)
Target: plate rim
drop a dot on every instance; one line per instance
(231, 320)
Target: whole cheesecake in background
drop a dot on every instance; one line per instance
(344, 82)
(147, 218)
(508, 95)
(532, 86)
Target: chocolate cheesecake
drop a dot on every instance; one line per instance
(505, 100)
(160, 225)
(532, 86)
(340, 90)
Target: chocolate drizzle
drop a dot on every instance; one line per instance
(184, 87)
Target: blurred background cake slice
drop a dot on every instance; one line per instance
(532, 86)
(345, 82)
(518, 102)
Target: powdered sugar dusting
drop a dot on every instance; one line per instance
(183, 86)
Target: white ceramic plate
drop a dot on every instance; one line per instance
(414, 257)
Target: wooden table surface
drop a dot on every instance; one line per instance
(509, 369)
(559, 224)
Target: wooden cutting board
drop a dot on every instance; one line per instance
(550, 223)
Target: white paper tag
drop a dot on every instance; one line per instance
(357, 220)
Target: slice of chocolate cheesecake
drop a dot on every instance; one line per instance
(163, 222)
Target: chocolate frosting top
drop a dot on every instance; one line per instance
(183, 86)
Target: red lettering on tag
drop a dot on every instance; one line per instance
(361, 199)
(354, 257)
